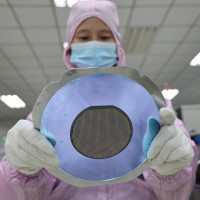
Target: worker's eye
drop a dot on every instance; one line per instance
(105, 38)
(83, 38)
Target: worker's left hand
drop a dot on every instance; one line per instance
(170, 150)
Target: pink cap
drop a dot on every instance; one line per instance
(104, 10)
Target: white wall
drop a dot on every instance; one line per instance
(191, 117)
(4, 127)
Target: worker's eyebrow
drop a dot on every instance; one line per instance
(105, 31)
(82, 31)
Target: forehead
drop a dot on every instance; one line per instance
(93, 23)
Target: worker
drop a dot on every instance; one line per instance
(94, 41)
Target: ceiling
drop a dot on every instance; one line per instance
(160, 38)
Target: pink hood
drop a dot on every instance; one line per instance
(104, 10)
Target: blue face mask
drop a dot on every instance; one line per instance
(93, 54)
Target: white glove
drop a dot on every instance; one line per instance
(170, 150)
(27, 150)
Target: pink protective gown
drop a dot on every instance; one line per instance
(43, 186)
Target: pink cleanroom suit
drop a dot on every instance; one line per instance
(43, 186)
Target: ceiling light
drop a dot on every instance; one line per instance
(195, 61)
(12, 101)
(70, 3)
(65, 44)
(170, 93)
(60, 3)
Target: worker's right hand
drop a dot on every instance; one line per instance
(27, 150)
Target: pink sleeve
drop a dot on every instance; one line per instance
(29, 117)
(179, 185)
(16, 185)
(14, 176)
